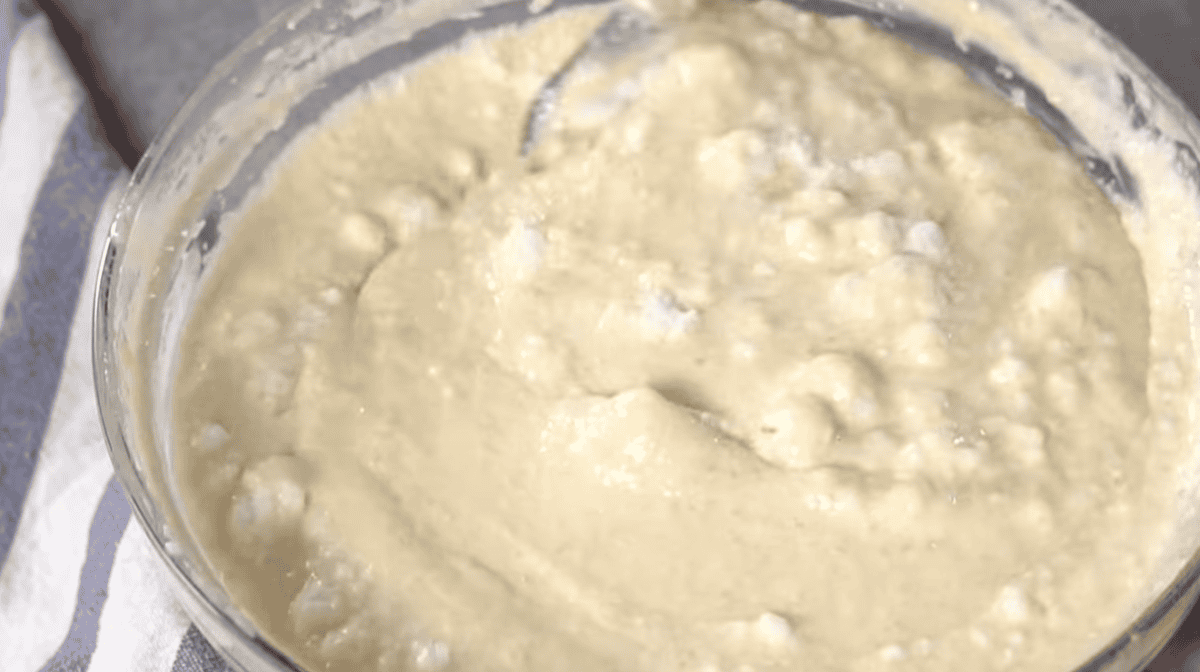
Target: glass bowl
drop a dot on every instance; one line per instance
(1090, 91)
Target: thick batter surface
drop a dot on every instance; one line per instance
(792, 350)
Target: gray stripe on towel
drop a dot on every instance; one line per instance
(108, 524)
(197, 655)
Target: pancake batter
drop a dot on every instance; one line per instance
(789, 348)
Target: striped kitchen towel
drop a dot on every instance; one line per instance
(80, 587)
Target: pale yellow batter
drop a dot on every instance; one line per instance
(793, 350)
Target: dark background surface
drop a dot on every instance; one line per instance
(141, 58)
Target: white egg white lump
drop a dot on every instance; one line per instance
(788, 348)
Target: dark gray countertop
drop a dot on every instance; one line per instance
(145, 56)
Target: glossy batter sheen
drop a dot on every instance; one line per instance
(793, 350)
